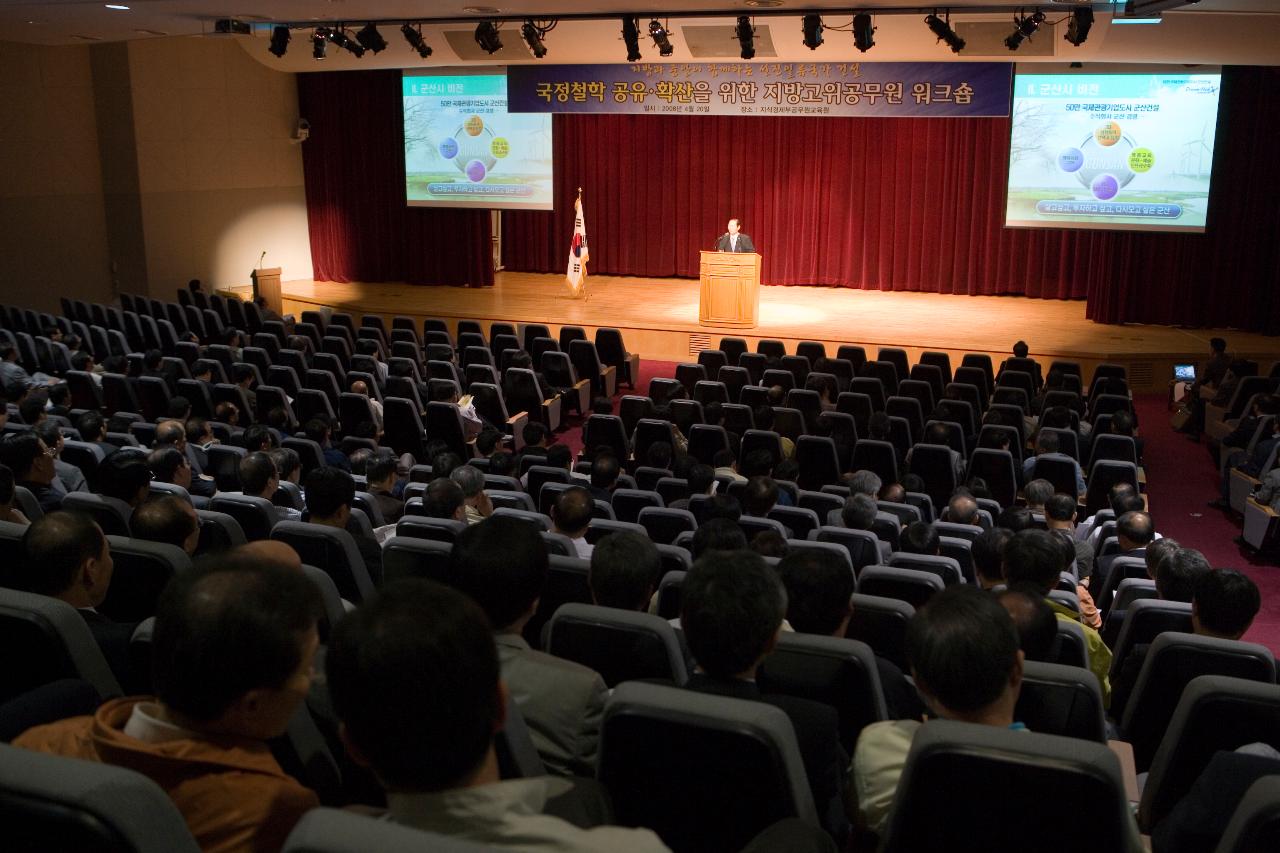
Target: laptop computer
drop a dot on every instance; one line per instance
(1184, 373)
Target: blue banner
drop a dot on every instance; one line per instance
(945, 89)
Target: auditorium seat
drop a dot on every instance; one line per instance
(55, 803)
(111, 514)
(910, 585)
(330, 549)
(54, 643)
(1215, 712)
(436, 529)
(412, 557)
(1031, 775)
(1172, 661)
(663, 525)
(1061, 700)
(835, 671)
(707, 773)
(142, 569)
(946, 568)
(618, 644)
(1145, 620)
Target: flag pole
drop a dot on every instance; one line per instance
(586, 294)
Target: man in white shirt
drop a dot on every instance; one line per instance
(571, 515)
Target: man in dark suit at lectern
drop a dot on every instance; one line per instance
(734, 241)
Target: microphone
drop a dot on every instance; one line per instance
(260, 257)
(718, 239)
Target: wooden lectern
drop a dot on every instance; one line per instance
(730, 294)
(266, 283)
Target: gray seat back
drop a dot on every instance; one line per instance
(55, 643)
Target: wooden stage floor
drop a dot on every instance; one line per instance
(659, 318)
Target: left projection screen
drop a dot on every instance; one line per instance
(463, 149)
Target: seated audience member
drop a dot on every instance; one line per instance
(444, 463)
(920, 537)
(1037, 494)
(93, 429)
(444, 499)
(571, 516)
(69, 477)
(258, 438)
(502, 464)
(717, 534)
(1157, 552)
(168, 519)
(732, 606)
(31, 409)
(489, 442)
(380, 476)
(179, 409)
(1047, 446)
(476, 502)
(8, 512)
(605, 470)
(170, 465)
(203, 736)
(1034, 558)
(502, 563)
(359, 459)
(769, 543)
(125, 477)
(819, 591)
(422, 651)
(859, 513)
(1036, 622)
(726, 465)
(988, 556)
(966, 663)
(1179, 573)
(260, 479)
(288, 464)
(1118, 501)
(329, 494)
(68, 558)
(760, 497)
(894, 493)
(939, 433)
(1122, 424)
(1223, 605)
(865, 483)
(27, 457)
(227, 413)
(1015, 519)
(362, 388)
(319, 431)
(963, 509)
(625, 570)
(60, 401)
(1060, 518)
(1134, 532)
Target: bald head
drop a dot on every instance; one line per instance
(572, 511)
(1135, 530)
(171, 432)
(262, 552)
(962, 509)
(359, 387)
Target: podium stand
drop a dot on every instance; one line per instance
(266, 283)
(730, 292)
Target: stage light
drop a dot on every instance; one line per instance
(631, 37)
(661, 38)
(1025, 26)
(863, 32)
(413, 35)
(371, 39)
(318, 43)
(487, 37)
(746, 37)
(1079, 25)
(342, 40)
(811, 26)
(279, 41)
(533, 37)
(942, 29)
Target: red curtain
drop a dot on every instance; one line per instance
(360, 227)
(888, 204)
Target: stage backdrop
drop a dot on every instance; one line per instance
(889, 204)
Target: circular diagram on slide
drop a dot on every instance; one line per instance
(1106, 160)
(474, 149)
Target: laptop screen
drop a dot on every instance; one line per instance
(1184, 372)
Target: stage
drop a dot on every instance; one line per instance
(659, 319)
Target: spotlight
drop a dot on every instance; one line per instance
(318, 43)
(631, 37)
(1079, 25)
(533, 38)
(487, 37)
(746, 37)
(942, 29)
(279, 41)
(863, 32)
(371, 39)
(1025, 27)
(414, 37)
(342, 40)
(811, 26)
(661, 38)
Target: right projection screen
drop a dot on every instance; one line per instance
(1129, 151)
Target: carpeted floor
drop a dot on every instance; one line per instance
(1181, 480)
